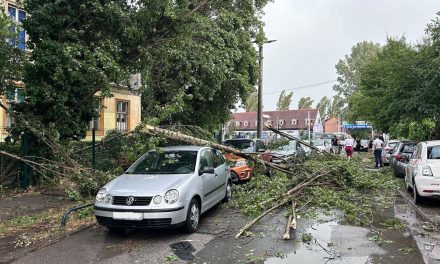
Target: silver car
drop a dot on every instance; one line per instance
(169, 187)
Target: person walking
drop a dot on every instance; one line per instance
(349, 142)
(335, 145)
(377, 147)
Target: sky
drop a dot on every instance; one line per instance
(313, 35)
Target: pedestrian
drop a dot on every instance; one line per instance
(377, 147)
(349, 142)
(335, 145)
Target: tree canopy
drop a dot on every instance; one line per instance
(305, 103)
(196, 58)
(284, 100)
(399, 88)
(251, 103)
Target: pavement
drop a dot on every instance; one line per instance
(215, 243)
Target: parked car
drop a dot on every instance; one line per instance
(423, 171)
(240, 170)
(321, 144)
(171, 187)
(401, 154)
(388, 150)
(292, 149)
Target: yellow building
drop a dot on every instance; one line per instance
(121, 112)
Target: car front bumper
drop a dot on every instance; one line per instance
(427, 186)
(148, 218)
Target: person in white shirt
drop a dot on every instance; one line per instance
(349, 142)
(377, 147)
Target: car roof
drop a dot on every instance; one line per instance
(432, 143)
(183, 147)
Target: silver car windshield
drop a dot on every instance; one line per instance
(168, 162)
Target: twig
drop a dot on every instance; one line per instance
(251, 223)
(288, 226)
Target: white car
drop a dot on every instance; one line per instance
(321, 144)
(423, 171)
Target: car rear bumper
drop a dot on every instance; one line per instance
(150, 218)
(428, 186)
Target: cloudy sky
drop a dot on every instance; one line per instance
(312, 35)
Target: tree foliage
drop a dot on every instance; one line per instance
(284, 100)
(305, 103)
(251, 103)
(349, 68)
(399, 88)
(324, 105)
(196, 58)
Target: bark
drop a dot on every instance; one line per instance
(287, 230)
(201, 142)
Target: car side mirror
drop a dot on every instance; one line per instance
(207, 170)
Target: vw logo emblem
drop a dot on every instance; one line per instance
(130, 200)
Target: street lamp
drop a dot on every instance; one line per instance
(260, 89)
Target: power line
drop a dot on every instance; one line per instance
(301, 87)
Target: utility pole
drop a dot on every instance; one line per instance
(260, 90)
(308, 121)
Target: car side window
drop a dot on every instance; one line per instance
(206, 159)
(221, 158)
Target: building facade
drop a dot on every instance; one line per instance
(121, 112)
(294, 122)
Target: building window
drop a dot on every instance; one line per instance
(237, 123)
(307, 121)
(294, 122)
(246, 123)
(17, 15)
(280, 122)
(96, 122)
(121, 116)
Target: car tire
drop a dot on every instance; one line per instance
(234, 177)
(228, 194)
(192, 216)
(408, 187)
(269, 172)
(416, 197)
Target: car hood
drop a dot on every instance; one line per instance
(145, 184)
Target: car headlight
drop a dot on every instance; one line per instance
(426, 171)
(157, 199)
(171, 196)
(240, 163)
(101, 195)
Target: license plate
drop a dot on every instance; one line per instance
(127, 216)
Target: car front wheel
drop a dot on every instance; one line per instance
(228, 194)
(193, 216)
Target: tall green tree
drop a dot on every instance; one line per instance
(324, 105)
(336, 106)
(305, 103)
(348, 69)
(196, 58)
(284, 100)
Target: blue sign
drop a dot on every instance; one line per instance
(351, 126)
